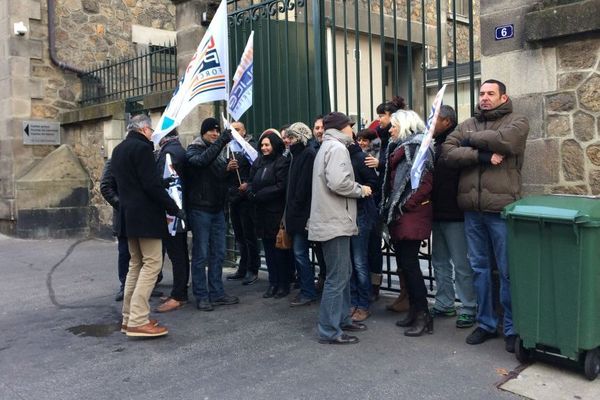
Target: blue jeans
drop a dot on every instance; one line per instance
(449, 252)
(208, 231)
(335, 301)
(487, 238)
(305, 271)
(360, 283)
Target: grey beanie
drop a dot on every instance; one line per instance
(300, 131)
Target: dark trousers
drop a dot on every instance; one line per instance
(318, 249)
(278, 264)
(123, 260)
(375, 254)
(407, 259)
(177, 250)
(245, 236)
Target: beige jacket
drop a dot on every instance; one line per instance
(334, 190)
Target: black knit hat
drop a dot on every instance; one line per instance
(208, 125)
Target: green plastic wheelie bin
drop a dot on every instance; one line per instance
(554, 264)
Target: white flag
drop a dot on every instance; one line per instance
(240, 98)
(238, 144)
(417, 167)
(175, 192)
(206, 77)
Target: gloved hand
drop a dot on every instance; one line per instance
(167, 181)
(226, 135)
(181, 215)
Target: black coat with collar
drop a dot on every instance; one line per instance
(143, 200)
(445, 185)
(299, 191)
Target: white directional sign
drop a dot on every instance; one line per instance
(41, 132)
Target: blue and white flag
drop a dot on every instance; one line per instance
(175, 192)
(239, 144)
(206, 77)
(417, 167)
(240, 98)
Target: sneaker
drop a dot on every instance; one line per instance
(445, 313)
(301, 301)
(480, 335)
(226, 300)
(360, 315)
(249, 279)
(509, 343)
(204, 305)
(465, 321)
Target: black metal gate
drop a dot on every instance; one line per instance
(311, 57)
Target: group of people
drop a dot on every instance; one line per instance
(335, 191)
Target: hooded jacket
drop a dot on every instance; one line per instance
(483, 186)
(268, 180)
(334, 190)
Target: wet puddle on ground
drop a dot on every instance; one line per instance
(94, 330)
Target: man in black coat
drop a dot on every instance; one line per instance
(108, 189)
(206, 181)
(176, 245)
(143, 202)
(240, 212)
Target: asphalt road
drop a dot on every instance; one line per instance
(59, 340)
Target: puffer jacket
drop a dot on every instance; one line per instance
(206, 174)
(483, 186)
(334, 190)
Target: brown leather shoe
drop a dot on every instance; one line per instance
(360, 315)
(399, 305)
(148, 330)
(124, 327)
(170, 305)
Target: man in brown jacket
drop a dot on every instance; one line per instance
(489, 149)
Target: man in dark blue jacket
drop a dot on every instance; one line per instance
(206, 181)
(143, 202)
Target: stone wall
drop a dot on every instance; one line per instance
(88, 33)
(573, 116)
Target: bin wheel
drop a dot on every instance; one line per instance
(524, 356)
(591, 366)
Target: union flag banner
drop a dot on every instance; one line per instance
(419, 163)
(240, 98)
(206, 77)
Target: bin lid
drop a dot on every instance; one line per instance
(584, 210)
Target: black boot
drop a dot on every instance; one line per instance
(409, 319)
(423, 323)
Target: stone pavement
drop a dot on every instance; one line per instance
(59, 340)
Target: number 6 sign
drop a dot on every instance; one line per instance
(504, 32)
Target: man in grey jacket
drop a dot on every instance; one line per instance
(332, 222)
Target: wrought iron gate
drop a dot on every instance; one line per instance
(312, 57)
